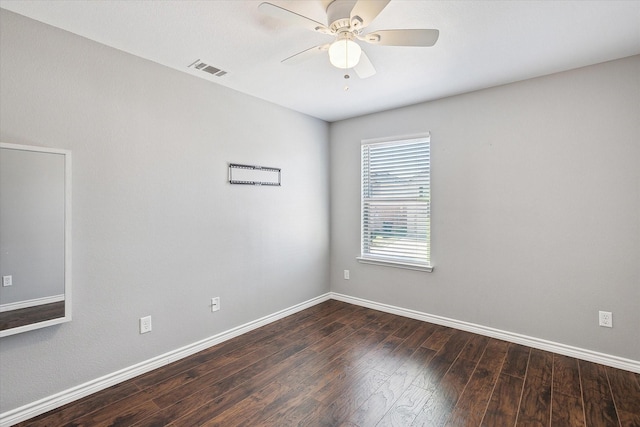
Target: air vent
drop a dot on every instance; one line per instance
(202, 66)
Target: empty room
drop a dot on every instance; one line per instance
(319, 213)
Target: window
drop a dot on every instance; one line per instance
(396, 203)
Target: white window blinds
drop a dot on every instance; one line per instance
(396, 203)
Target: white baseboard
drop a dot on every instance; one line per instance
(31, 303)
(567, 350)
(41, 406)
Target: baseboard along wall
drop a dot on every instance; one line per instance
(554, 347)
(67, 396)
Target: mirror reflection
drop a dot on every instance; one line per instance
(34, 237)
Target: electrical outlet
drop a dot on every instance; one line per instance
(215, 304)
(7, 281)
(606, 319)
(145, 324)
(346, 275)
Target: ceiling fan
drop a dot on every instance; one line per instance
(346, 23)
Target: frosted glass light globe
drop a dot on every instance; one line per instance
(344, 53)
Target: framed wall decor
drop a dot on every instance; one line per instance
(254, 175)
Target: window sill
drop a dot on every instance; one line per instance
(396, 264)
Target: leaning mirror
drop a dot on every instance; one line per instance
(35, 237)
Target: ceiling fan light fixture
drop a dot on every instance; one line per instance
(344, 53)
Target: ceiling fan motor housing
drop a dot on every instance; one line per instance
(338, 15)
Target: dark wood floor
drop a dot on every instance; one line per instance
(337, 364)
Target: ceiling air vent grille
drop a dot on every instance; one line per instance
(199, 65)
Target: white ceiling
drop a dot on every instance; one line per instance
(482, 44)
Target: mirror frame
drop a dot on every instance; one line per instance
(67, 239)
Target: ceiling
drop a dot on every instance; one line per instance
(482, 44)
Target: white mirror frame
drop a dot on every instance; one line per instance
(67, 239)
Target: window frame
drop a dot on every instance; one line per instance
(368, 258)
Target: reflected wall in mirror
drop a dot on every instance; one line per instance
(35, 237)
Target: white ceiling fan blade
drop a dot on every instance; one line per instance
(305, 54)
(366, 11)
(292, 17)
(423, 38)
(364, 68)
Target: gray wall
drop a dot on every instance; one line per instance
(157, 230)
(536, 208)
(32, 203)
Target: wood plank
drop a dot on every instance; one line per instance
(334, 361)
(359, 317)
(340, 404)
(381, 354)
(178, 387)
(257, 415)
(257, 402)
(472, 404)
(408, 327)
(201, 414)
(374, 320)
(195, 396)
(400, 354)
(292, 415)
(374, 408)
(430, 378)
(505, 399)
(428, 381)
(335, 373)
(397, 326)
(440, 405)
(84, 406)
(535, 405)
(419, 336)
(516, 361)
(597, 399)
(345, 381)
(214, 356)
(566, 376)
(628, 419)
(456, 343)
(327, 360)
(439, 338)
(626, 394)
(357, 355)
(406, 408)
(566, 410)
(255, 378)
(333, 339)
(136, 409)
(211, 375)
(474, 348)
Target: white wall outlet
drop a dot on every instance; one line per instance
(215, 304)
(145, 324)
(346, 275)
(7, 281)
(606, 319)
